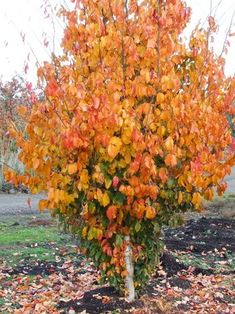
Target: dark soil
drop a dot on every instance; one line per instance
(39, 268)
(171, 266)
(100, 300)
(203, 235)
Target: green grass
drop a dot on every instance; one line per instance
(21, 243)
(17, 256)
(26, 235)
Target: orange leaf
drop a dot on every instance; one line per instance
(36, 163)
(43, 204)
(112, 212)
(163, 174)
(171, 160)
(209, 194)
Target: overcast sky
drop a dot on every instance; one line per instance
(27, 17)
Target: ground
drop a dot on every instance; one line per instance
(42, 270)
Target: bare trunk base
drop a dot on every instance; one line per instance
(129, 280)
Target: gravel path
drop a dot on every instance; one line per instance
(18, 203)
(231, 182)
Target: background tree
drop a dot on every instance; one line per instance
(13, 95)
(132, 131)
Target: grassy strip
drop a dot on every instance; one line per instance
(28, 239)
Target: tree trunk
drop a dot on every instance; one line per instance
(129, 282)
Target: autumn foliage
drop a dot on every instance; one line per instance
(13, 94)
(132, 132)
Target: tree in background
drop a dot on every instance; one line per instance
(133, 131)
(14, 94)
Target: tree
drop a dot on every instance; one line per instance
(132, 131)
(13, 94)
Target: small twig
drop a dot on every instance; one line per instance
(5, 164)
(227, 33)
(217, 7)
(158, 44)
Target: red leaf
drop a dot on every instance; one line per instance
(115, 181)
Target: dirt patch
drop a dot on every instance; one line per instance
(41, 222)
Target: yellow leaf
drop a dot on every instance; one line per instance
(196, 200)
(150, 212)
(114, 147)
(126, 135)
(99, 233)
(161, 131)
(120, 216)
(160, 98)
(72, 168)
(38, 131)
(122, 163)
(105, 199)
(92, 234)
(107, 183)
(169, 143)
(84, 231)
(180, 198)
(84, 176)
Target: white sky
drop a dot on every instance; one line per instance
(26, 16)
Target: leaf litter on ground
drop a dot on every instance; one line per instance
(196, 275)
